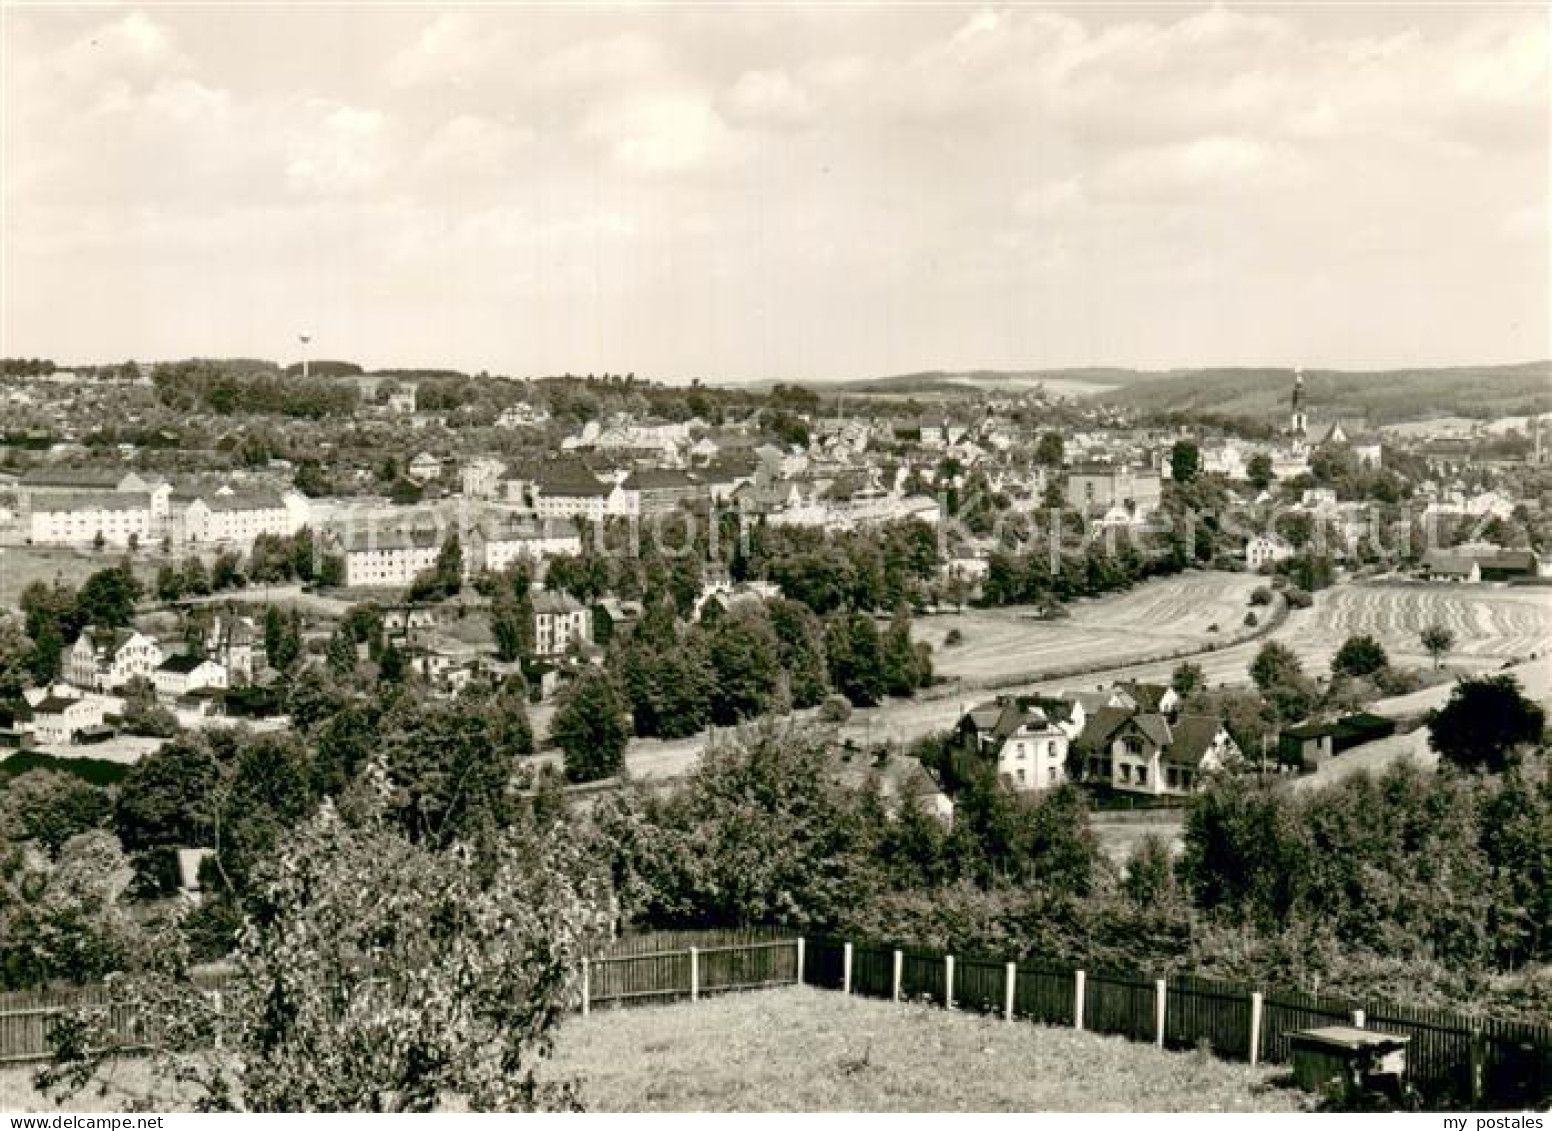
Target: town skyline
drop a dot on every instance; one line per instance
(765, 194)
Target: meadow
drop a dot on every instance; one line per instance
(803, 1049)
(1158, 618)
(1491, 624)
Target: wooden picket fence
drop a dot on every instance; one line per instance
(1451, 1058)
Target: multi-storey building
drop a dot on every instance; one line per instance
(104, 659)
(1101, 486)
(389, 559)
(560, 620)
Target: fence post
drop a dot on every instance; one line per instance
(1255, 1028)
(1358, 1019)
(587, 988)
(1010, 979)
(1160, 1003)
(846, 969)
(1477, 1051)
(899, 974)
(802, 946)
(1077, 998)
(695, 974)
(948, 981)
(215, 1001)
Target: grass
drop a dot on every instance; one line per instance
(1491, 625)
(1156, 619)
(804, 1049)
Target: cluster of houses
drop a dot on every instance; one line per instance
(1133, 738)
(97, 669)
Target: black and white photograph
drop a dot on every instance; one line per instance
(775, 557)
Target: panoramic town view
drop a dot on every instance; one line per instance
(775, 559)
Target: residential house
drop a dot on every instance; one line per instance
(1023, 737)
(59, 720)
(177, 676)
(104, 659)
(559, 621)
(425, 467)
(1154, 754)
(1265, 550)
(1098, 487)
(234, 643)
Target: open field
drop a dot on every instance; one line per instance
(1160, 617)
(811, 1050)
(1492, 625)
(20, 566)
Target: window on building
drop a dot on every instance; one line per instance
(1142, 775)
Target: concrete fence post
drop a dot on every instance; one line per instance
(846, 969)
(948, 981)
(1079, 983)
(1009, 982)
(802, 947)
(587, 988)
(695, 973)
(1358, 1019)
(1256, 1005)
(1160, 1003)
(216, 1003)
(899, 975)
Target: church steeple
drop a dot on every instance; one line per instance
(1298, 424)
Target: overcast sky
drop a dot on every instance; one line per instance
(778, 192)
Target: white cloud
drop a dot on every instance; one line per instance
(452, 49)
(771, 98)
(662, 133)
(337, 149)
(470, 145)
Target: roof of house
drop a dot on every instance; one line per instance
(1348, 726)
(363, 541)
(569, 481)
(1191, 737)
(51, 502)
(553, 601)
(1147, 696)
(1101, 724)
(53, 705)
(182, 665)
(658, 479)
(104, 477)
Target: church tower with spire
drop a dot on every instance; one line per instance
(1298, 424)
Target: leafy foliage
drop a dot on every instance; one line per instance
(1485, 722)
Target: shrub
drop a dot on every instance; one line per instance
(954, 637)
(835, 709)
(1297, 598)
(1250, 620)
(1261, 595)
